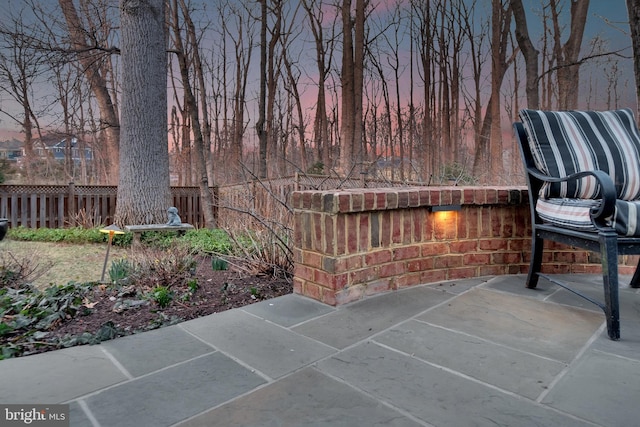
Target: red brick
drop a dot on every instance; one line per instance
(378, 287)
(365, 233)
(408, 280)
(352, 234)
(448, 261)
(406, 252)
(341, 235)
(385, 229)
(392, 200)
(433, 276)
(462, 273)
(407, 227)
(391, 269)
(329, 235)
(491, 270)
(425, 197)
(463, 247)
(317, 232)
(435, 248)
(357, 202)
(396, 231)
(418, 219)
(303, 272)
(312, 259)
(329, 297)
(421, 264)
(369, 201)
(414, 198)
(506, 257)
(476, 259)
(353, 293)
(378, 257)
(493, 244)
(363, 276)
(312, 291)
(344, 202)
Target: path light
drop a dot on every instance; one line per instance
(111, 230)
(444, 214)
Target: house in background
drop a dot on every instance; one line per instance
(62, 147)
(11, 150)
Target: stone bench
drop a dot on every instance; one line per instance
(137, 230)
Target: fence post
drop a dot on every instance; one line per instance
(72, 204)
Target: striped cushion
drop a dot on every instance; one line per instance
(566, 142)
(574, 214)
(567, 213)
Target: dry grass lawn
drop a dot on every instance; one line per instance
(68, 262)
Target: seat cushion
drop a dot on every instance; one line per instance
(575, 214)
(567, 213)
(566, 142)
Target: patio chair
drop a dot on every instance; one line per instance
(583, 174)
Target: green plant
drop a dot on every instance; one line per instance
(192, 285)
(162, 296)
(120, 270)
(219, 264)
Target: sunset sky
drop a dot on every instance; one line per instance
(607, 19)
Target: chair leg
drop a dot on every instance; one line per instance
(635, 280)
(609, 252)
(537, 244)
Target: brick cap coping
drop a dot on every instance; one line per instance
(374, 199)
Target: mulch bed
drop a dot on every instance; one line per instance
(127, 311)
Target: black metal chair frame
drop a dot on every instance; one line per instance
(606, 240)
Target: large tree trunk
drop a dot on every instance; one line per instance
(143, 190)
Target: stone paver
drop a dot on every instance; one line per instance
(370, 316)
(500, 366)
(289, 310)
(171, 395)
(144, 353)
(58, 376)
(478, 352)
(437, 396)
(269, 348)
(595, 389)
(304, 399)
(516, 322)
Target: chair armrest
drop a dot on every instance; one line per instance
(599, 213)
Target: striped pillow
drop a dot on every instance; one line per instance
(566, 142)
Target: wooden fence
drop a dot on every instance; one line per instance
(237, 206)
(59, 206)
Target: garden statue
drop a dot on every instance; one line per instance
(174, 218)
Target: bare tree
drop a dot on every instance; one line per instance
(20, 66)
(191, 104)
(323, 55)
(89, 54)
(143, 187)
(529, 53)
(633, 10)
(568, 72)
(352, 79)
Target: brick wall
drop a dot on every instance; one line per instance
(353, 243)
